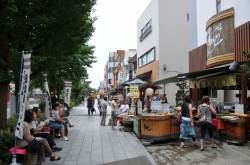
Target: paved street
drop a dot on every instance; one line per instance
(90, 144)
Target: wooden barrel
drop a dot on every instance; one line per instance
(128, 125)
(174, 128)
(236, 132)
(155, 128)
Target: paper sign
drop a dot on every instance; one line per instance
(239, 108)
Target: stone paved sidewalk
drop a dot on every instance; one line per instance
(91, 144)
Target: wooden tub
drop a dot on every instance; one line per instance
(174, 128)
(155, 128)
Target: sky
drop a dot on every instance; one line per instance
(116, 28)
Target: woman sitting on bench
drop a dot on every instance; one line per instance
(57, 122)
(28, 132)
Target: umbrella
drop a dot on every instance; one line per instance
(136, 81)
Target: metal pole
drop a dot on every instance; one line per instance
(164, 89)
(17, 109)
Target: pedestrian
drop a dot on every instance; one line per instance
(99, 101)
(164, 99)
(114, 110)
(206, 109)
(83, 97)
(128, 100)
(104, 106)
(187, 122)
(90, 104)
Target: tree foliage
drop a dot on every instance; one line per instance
(183, 90)
(246, 66)
(56, 31)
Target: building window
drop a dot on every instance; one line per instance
(218, 6)
(145, 30)
(213, 94)
(147, 58)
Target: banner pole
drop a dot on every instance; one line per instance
(17, 111)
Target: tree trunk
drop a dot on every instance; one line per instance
(4, 83)
(3, 104)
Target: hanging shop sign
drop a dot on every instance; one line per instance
(220, 38)
(216, 82)
(134, 91)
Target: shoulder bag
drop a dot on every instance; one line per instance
(34, 146)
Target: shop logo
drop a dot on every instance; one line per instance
(214, 38)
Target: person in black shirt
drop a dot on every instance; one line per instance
(187, 122)
(164, 99)
(90, 104)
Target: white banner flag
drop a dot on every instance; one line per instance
(67, 92)
(23, 94)
(48, 106)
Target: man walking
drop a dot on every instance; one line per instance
(90, 104)
(104, 106)
(114, 108)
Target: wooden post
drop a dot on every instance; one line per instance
(244, 91)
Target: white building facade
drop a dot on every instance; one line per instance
(163, 42)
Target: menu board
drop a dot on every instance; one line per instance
(156, 105)
(239, 108)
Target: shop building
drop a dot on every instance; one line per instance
(219, 33)
(163, 43)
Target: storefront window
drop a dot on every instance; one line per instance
(213, 94)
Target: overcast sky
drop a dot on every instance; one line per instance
(116, 28)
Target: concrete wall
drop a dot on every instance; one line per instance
(173, 42)
(151, 12)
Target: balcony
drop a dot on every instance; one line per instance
(145, 34)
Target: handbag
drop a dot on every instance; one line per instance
(179, 117)
(202, 121)
(34, 146)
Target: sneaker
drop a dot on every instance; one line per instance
(64, 138)
(58, 135)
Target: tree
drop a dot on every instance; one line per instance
(56, 31)
(246, 66)
(181, 92)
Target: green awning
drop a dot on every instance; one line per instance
(166, 80)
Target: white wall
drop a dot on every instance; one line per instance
(151, 12)
(241, 10)
(173, 42)
(205, 10)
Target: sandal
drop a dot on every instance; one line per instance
(38, 163)
(213, 146)
(71, 125)
(183, 146)
(54, 158)
(195, 144)
(202, 148)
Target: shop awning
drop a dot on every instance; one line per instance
(216, 71)
(166, 80)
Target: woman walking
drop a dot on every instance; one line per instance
(206, 109)
(187, 122)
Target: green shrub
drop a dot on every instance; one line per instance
(42, 107)
(6, 142)
(71, 104)
(11, 122)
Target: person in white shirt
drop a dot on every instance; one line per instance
(114, 108)
(104, 106)
(124, 108)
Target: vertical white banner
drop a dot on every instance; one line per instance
(48, 106)
(23, 94)
(67, 92)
